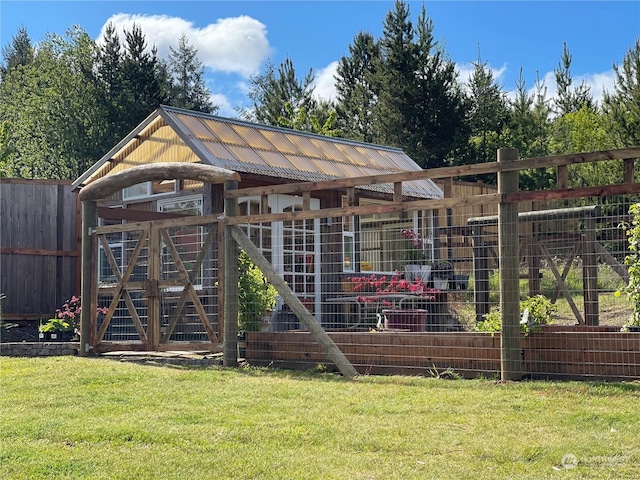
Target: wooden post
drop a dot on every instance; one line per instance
(508, 247)
(533, 260)
(480, 274)
(230, 282)
(153, 291)
(590, 272)
(89, 223)
(448, 193)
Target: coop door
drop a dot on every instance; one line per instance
(296, 254)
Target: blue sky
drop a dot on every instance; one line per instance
(235, 38)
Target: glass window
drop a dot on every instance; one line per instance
(383, 248)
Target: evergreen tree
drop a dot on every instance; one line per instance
(356, 91)
(110, 82)
(488, 114)
(622, 106)
(420, 107)
(145, 79)
(440, 128)
(396, 82)
(187, 74)
(19, 52)
(570, 99)
(271, 92)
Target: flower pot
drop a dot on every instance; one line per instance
(440, 283)
(413, 272)
(412, 320)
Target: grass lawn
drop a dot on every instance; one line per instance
(68, 417)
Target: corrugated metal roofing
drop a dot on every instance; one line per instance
(251, 148)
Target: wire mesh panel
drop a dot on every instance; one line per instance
(422, 290)
(185, 284)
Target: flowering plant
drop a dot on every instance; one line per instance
(378, 287)
(415, 245)
(71, 310)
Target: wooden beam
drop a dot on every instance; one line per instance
(38, 252)
(443, 172)
(317, 332)
(115, 182)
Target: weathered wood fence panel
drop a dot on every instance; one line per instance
(39, 247)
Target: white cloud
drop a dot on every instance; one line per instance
(325, 83)
(231, 45)
(225, 107)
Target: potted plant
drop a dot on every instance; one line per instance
(415, 267)
(70, 313)
(442, 272)
(378, 290)
(55, 329)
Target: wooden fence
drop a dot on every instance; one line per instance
(39, 247)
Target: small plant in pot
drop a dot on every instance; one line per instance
(55, 329)
(442, 273)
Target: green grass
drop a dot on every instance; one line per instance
(75, 418)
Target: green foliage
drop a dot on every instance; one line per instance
(632, 289)
(188, 90)
(622, 106)
(255, 294)
(539, 310)
(534, 311)
(55, 325)
(491, 323)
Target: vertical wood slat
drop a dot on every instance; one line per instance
(629, 165)
(35, 218)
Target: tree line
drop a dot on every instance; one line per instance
(63, 102)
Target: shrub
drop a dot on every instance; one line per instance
(632, 289)
(534, 311)
(255, 295)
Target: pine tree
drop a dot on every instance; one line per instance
(356, 89)
(187, 75)
(622, 106)
(19, 52)
(570, 99)
(271, 92)
(145, 79)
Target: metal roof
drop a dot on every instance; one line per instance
(176, 135)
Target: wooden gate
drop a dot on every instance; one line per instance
(149, 274)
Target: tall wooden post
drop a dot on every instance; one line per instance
(480, 273)
(508, 247)
(230, 287)
(89, 223)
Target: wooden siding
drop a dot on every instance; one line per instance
(39, 247)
